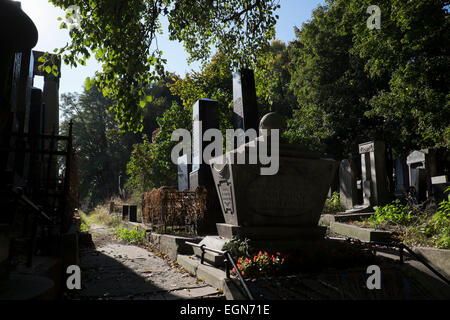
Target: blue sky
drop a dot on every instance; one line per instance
(44, 14)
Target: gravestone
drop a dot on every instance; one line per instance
(347, 184)
(419, 176)
(245, 108)
(285, 206)
(183, 173)
(36, 128)
(125, 212)
(205, 116)
(374, 175)
(132, 213)
(401, 176)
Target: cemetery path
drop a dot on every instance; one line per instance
(112, 269)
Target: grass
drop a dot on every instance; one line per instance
(99, 216)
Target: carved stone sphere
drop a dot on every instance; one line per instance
(272, 120)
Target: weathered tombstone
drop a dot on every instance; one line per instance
(418, 177)
(374, 176)
(132, 212)
(347, 184)
(285, 206)
(244, 103)
(183, 173)
(204, 116)
(125, 212)
(440, 184)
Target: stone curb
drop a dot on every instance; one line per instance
(212, 276)
(360, 233)
(438, 258)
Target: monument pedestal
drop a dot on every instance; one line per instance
(270, 233)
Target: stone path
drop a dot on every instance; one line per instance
(116, 270)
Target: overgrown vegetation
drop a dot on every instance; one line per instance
(99, 216)
(133, 235)
(333, 204)
(415, 227)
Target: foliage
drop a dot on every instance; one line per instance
(213, 81)
(354, 84)
(272, 80)
(84, 227)
(102, 150)
(122, 35)
(439, 226)
(410, 52)
(150, 164)
(394, 212)
(333, 204)
(416, 228)
(130, 235)
(239, 247)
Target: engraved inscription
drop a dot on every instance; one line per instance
(226, 195)
(366, 148)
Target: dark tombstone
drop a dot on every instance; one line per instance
(36, 128)
(244, 102)
(204, 116)
(347, 180)
(132, 213)
(401, 176)
(183, 173)
(125, 212)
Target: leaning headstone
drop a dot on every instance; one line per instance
(244, 102)
(125, 212)
(132, 213)
(183, 173)
(204, 116)
(347, 184)
(374, 175)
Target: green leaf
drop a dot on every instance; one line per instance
(48, 69)
(87, 84)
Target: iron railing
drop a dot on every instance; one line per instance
(228, 259)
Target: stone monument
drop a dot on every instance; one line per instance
(245, 109)
(281, 207)
(374, 175)
(347, 184)
(183, 172)
(204, 114)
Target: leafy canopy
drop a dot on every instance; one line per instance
(122, 35)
